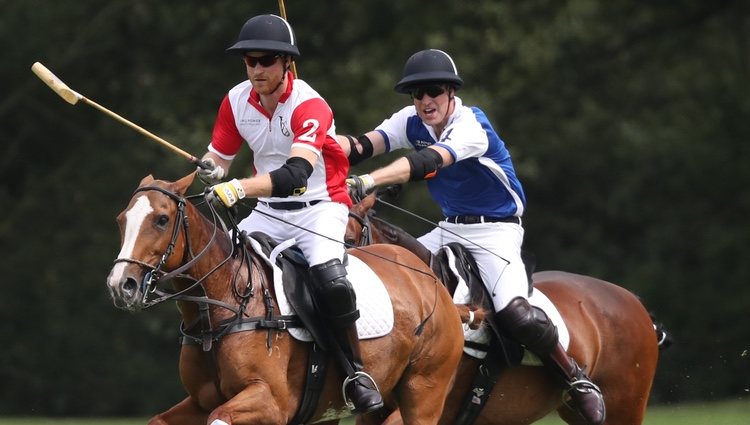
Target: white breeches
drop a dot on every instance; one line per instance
(496, 248)
(320, 234)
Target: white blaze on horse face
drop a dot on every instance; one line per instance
(133, 221)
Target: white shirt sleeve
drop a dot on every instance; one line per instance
(465, 137)
(394, 129)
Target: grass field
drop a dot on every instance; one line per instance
(723, 413)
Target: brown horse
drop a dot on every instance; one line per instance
(256, 374)
(611, 335)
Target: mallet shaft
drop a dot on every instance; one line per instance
(73, 97)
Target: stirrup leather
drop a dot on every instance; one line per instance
(348, 380)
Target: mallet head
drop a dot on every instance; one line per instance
(55, 83)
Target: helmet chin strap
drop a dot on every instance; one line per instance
(451, 99)
(283, 78)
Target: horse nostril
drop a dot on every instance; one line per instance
(129, 287)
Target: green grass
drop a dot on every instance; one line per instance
(723, 413)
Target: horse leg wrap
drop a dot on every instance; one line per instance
(529, 326)
(334, 293)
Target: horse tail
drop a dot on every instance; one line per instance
(663, 338)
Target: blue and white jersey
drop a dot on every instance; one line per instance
(481, 181)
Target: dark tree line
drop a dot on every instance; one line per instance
(628, 123)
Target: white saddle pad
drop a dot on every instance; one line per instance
(373, 302)
(482, 335)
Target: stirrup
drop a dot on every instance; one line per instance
(579, 384)
(583, 384)
(348, 380)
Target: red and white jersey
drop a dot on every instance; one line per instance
(302, 119)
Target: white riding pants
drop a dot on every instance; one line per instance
(318, 229)
(496, 248)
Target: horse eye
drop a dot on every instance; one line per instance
(162, 221)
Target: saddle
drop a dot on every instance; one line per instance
(296, 286)
(502, 348)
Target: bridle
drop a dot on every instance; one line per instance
(201, 331)
(365, 235)
(155, 274)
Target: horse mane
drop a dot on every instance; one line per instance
(394, 234)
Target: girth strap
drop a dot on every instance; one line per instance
(316, 372)
(484, 381)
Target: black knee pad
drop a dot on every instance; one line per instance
(528, 325)
(334, 294)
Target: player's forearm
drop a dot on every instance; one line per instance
(395, 173)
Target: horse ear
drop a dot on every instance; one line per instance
(146, 180)
(181, 186)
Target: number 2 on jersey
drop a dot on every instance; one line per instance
(309, 135)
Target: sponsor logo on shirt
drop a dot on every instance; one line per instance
(421, 144)
(249, 121)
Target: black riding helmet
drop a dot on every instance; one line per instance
(266, 33)
(429, 66)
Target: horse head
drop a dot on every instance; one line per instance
(153, 236)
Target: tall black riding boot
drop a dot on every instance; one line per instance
(530, 326)
(585, 397)
(360, 388)
(337, 302)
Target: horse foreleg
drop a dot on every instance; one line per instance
(186, 412)
(255, 405)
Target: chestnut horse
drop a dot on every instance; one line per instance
(611, 335)
(257, 374)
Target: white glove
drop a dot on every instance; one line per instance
(360, 186)
(229, 193)
(211, 175)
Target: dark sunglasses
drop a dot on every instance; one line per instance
(432, 91)
(264, 61)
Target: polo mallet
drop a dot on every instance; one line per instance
(282, 11)
(73, 97)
